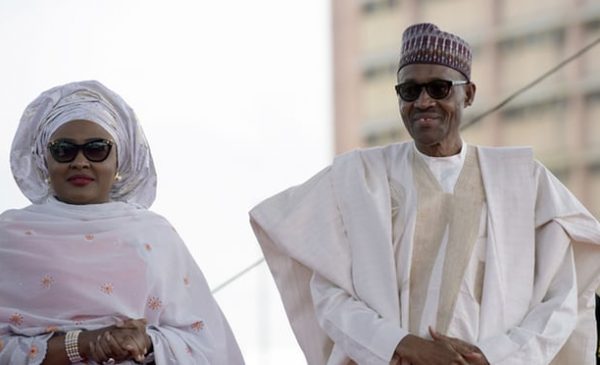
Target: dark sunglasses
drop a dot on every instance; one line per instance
(64, 151)
(437, 89)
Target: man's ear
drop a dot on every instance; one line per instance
(470, 90)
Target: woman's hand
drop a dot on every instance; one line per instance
(125, 341)
(135, 339)
(106, 347)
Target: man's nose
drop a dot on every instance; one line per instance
(424, 100)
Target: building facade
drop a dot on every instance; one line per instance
(514, 42)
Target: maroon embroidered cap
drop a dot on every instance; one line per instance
(426, 43)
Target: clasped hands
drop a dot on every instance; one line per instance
(440, 350)
(124, 341)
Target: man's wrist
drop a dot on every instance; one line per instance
(405, 345)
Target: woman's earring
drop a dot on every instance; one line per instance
(47, 180)
(118, 177)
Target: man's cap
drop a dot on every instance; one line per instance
(426, 43)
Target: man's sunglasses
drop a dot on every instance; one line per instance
(64, 151)
(437, 89)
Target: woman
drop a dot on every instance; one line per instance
(87, 273)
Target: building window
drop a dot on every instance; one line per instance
(372, 6)
(376, 71)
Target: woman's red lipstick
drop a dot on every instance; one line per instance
(80, 180)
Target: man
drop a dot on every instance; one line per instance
(434, 251)
(598, 327)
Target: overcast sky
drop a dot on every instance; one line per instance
(234, 97)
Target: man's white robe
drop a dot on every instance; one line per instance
(542, 260)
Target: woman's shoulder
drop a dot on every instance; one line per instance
(15, 214)
(53, 210)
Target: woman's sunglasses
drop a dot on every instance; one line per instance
(437, 89)
(64, 151)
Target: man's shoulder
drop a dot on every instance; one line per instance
(506, 150)
(504, 166)
(506, 155)
(374, 153)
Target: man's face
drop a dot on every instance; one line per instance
(434, 123)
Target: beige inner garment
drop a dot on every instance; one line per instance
(437, 211)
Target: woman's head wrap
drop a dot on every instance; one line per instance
(91, 101)
(426, 43)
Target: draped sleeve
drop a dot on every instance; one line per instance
(327, 243)
(548, 296)
(185, 323)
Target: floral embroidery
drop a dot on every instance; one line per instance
(33, 351)
(1, 345)
(186, 280)
(107, 288)
(188, 350)
(47, 281)
(16, 319)
(154, 303)
(198, 326)
(51, 329)
(89, 237)
(148, 247)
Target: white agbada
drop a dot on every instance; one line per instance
(65, 267)
(541, 261)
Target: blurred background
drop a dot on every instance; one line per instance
(234, 97)
(242, 99)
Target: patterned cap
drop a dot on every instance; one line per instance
(426, 43)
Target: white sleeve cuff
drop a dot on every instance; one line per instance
(497, 348)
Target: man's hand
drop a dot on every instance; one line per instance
(418, 351)
(470, 352)
(396, 360)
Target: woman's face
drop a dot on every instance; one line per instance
(82, 181)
